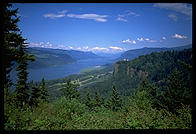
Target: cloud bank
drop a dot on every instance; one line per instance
(177, 36)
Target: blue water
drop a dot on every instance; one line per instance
(65, 70)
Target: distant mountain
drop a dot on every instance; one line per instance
(45, 57)
(48, 58)
(132, 54)
(77, 55)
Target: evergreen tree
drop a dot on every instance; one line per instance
(44, 91)
(115, 101)
(97, 99)
(21, 87)
(36, 95)
(175, 93)
(89, 102)
(143, 85)
(11, 41)
(70, 90)
(13, 51)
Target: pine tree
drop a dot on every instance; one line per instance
(96, 99)
(88, 101)
(175, 93)
(70, 90)
(13, 51)
(36, 96)
(21, 87)
(44, 91)
(9, 39)
(12, 40)
(115, 101)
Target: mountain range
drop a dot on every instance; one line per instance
(46, 57)
(132, 54)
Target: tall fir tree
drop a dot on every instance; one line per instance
(44, 91)
(88, 100)
(13, 51)
(11, 40)
(22, 87)
(36, 96)
(115, 101)
(98, 100)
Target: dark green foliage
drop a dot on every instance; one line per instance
(13, 50)
(13, 43)
(36, 95)
(88, 100)
(175, 92)
(115, 101)
(9, 33)
(21, 87)
(39, 93)
(64, 114)
(98, 100)
(69, 90)
(141, 115)
(44, 91)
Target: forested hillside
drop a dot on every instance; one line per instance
(47, 57)
(153, 91)
(149, 103)
(155, 67)
(132, 54)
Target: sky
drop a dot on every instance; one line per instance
(105, 27)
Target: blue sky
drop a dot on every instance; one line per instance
(105, 27)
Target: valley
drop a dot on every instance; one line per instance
(90, 66)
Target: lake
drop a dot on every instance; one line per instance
(65, 70)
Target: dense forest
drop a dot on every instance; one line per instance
(153, 91)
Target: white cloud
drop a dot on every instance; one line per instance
(100, 49)
(173, 17)
(116, 48)
(53, 16)
(121, 17)
(132, 13)
(177, 36)
(41, 44)
(147, 39)
(140, 39)
(164, 38)
(128, 41)
(85, 47)
(111, 49)
(133, 42)
(70, 47)
(95, 17)
(79, 48)
(178, 7)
